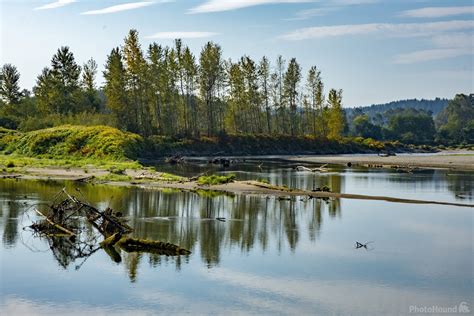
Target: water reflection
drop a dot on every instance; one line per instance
(182, 218)
(393, 182)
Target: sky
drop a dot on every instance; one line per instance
(375, 50)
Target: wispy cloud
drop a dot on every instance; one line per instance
(309, 13)
(450, 45)
(228, 5)
(56, 4)
(183, 35)
(124, 7)
(437, 12)
(401, 30)
(328, 7)
(432, 54)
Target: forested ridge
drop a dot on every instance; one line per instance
(162, 91)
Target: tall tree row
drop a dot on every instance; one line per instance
(169, 91)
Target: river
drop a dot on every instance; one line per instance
(269, 256)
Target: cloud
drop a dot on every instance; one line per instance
(437, 12)
(183, 35)
(123, 7)
(399, 30)
(432, 54)
(328, 6)
(309, 13)
(340, 297)
(228, 5)
(452, 40)
(54, 5)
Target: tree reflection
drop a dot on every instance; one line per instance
(183, 218)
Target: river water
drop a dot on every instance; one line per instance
(270, 256)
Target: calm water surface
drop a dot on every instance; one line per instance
(269, 257)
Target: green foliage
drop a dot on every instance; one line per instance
(456, 121)
(170, 177)
(412, 126)
(336, 115)
(215, 179)
(74, 141)
(364, 127)
(9, 84)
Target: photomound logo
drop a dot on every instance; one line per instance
(462, 308)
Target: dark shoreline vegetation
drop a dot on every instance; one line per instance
(103, 143)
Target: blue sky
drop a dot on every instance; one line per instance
(375, 50)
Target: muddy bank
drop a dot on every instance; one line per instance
(464, 161)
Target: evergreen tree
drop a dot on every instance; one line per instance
(9, 84)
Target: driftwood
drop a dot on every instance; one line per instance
(318, 169)
(55, 225)
(64, 228)
(176, 159)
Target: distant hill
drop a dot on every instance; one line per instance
(434, 106)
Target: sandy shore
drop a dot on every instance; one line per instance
(448, 160)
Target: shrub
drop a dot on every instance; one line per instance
(215, 179)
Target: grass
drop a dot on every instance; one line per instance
(21, 161)
(111, 177)
(215, 179)
(170, 177)
(69, 141)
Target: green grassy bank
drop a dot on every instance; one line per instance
(79, 146)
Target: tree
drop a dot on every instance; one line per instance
(364, 127)
(291, 81)
(315, 87)
(455, 122)
(252, 98)
(88, 82)
(211, 69)
(116, 89)
(57, 88)
(9, 84)
(135, 67)
(279, 98)
(264, 78)
(190, 72)
(336, 115)
(412, 126)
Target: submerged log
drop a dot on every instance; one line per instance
(130, 244)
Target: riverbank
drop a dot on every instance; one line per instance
(148, 178)
(446, 160)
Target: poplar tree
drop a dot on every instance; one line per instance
(89, 73)
(210, 72)
(291, 80)
(135, 67)
(336, 114)
(116, 89)
(264, 78)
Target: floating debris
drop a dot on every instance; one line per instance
(73, 229)
(359, 245)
